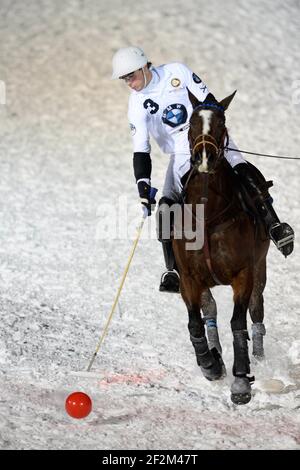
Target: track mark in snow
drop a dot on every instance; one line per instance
(140, 378)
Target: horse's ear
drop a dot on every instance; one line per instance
(226, 101)
(193, 99)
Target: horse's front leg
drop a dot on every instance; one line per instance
(208, 360)
(242, 286)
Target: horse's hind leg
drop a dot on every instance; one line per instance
(256, 309)
(242, 286)
(209, 309)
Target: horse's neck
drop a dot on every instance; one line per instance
(222, 184)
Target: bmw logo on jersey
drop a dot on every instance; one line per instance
(174, 115)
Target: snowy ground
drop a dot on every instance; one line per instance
(65, 150)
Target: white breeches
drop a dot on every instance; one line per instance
(179, 165)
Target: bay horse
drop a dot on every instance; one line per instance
(234, 252)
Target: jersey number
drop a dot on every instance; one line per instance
(151, 107)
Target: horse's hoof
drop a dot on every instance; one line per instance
(240, 398)
(212, 375)
(220, 373)
(241, 391)
(217, 370)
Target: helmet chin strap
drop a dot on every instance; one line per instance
(146, 82)
(145, 79)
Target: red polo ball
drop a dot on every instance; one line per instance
(78, 405)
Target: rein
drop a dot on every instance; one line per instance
(262, 154)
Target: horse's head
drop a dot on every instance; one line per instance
(207, 132)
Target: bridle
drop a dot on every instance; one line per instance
(203, 140)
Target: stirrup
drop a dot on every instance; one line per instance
(169, 282)
(282, 235)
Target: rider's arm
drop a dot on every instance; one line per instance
(141, 141)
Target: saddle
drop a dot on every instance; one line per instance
(248, 203)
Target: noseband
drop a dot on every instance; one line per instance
(203, 141)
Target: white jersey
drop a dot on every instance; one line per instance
(163, 109)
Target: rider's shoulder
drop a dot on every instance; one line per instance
(172, 67)
(174, 70)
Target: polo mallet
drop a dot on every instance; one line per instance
(153, 192)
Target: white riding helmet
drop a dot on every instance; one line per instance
(127, 60)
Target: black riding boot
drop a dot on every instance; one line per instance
(257, 188)
(170, 279)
